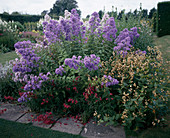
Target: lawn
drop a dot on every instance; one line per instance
(7, 56)
(9, 129)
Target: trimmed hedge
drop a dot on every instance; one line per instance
(21, 18)
(163, 19)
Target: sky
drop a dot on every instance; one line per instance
(86, 6)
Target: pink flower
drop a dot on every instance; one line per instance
(76, 101)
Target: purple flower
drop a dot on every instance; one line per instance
(73, 62)
(111, 81)
(59, 70)
(125, 40)
(91, 62)
(109, 29)
(94, 22)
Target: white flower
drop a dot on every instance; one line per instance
(47, 18)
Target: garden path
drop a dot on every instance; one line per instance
(19, 113)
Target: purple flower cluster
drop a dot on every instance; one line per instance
(52, 31)
(60, 70)
(125, 40)
(91, 62)
(111, 81)
(35, 82)
(77, 27)
(94, 22)
(139, 52)
(133, 34)
(109, 29)
(65, 28)
(24, 97)
(73, 62)
(29, 59)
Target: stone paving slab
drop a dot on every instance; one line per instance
(68, 125)
(92, 130)
(13, 112)
(41, 124)
(27, 118)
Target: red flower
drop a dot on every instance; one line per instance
(50, 113)
(76, 102)
(74, 88)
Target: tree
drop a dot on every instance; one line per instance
(88, 16)
(5, 13)
(15, 13)
(120, 14)
(44, 12)
(61, 5)
(144, 13)
(151, 13)
(101, 13)
(135, 13)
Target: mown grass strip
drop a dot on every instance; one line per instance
(4, 57)
(9, 129)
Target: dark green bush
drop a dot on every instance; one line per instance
(21, 18)
(163, 19)
(8, 87)
(8, 40)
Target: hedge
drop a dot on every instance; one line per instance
(21, 18)
(163, 19)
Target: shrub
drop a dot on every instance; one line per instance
(163, 19)
(8, 87)
(21, 18)
(8, 41)
(9, 35)
(141, 97)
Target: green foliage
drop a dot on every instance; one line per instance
(7, 85)
(142, 96)
(144, 29)
(151, 13)
(9, 35)
(163, 19)
(61, 5)
(4, 49)
(21, 18)
(7, 42)
(29, 26)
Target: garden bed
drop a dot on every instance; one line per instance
(91, 70)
